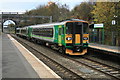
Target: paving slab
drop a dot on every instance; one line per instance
(115, 49)
(14, 65)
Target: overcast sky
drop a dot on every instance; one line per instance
(26, 5)
(23, 5)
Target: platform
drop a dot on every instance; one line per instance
(0, 56)
(114, 49)
(18, 62)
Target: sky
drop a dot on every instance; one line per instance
(22, 6)
(26, 5)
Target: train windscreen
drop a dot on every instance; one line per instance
(76, 28)
(73, 28)
(69, 28)
(85, 28)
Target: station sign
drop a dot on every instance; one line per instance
(98, 25)
(113, 22)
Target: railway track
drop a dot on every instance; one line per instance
(114, 73)
(65, 73)
(101, 67)
(106, 69)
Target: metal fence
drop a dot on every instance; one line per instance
(110, 38)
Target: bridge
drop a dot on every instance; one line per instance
(18, 17)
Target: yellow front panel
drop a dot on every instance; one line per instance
(77, 38)
(70, 52)
(66, 36)
(86, 36)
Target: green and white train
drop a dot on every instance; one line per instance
(70, 36)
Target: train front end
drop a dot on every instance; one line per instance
(76, 37)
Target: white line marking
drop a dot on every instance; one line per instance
(112, 50)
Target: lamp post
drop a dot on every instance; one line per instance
(114, 30)
(0, 23)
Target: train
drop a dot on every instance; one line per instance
(69, 36)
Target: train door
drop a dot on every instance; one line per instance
(56, 34)
(77, 33)
(63, 35)
(60, 35)
(29, 32)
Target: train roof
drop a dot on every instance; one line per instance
(73, 20)
(52, 24)
(47, 24)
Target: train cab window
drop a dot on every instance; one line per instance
(69, 28)
(78, 28)
(85, 28)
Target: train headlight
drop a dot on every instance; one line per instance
(68, 38)
(85, 38)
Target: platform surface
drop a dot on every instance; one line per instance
(18, 62)
(0, 56)
(114, 49)
(14, 65)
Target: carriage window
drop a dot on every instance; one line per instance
(17, 31)
(23, 31)
(46, 32)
